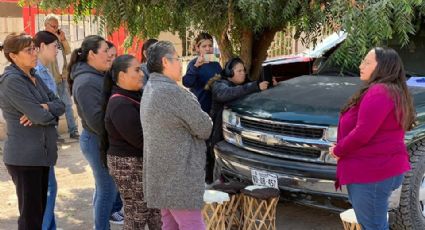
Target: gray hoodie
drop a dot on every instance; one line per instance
(87, 90)
(33, 145)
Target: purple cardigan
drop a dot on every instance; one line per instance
(370, 140)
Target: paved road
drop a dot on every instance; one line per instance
(73, 206)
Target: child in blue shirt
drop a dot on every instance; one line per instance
(200, 71)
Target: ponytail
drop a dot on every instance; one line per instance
(75, 57)
(90, 43)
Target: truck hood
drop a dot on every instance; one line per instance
(306, 100)
(311, 99)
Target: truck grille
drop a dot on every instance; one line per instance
(299, 152)
(283, 129)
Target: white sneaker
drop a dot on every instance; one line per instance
(116, 218)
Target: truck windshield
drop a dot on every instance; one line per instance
(412, 54)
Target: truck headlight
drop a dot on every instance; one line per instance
(331, 134)
(230, 118)
(231, 137)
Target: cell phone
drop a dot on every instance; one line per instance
(211, 58)
(266, 75)
(58, 32)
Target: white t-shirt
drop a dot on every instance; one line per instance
(61, 61)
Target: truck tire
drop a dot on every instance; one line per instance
(410, 213)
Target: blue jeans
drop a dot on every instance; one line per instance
(117, 204)
(49, 222)
(370, 202)
(105, 188)
(116, 207)
(63, 93)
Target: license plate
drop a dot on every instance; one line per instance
(264, 178)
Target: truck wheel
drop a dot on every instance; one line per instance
(411, 212)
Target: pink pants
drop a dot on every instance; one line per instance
(178, 219)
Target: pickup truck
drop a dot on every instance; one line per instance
(281, 136)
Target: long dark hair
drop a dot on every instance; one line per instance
(148, 43)
(44, 37)
(90, 43)
(390, 72)
(120, 64)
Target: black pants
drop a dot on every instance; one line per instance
(209, 167)
(31, 188)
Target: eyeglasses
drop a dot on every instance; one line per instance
(31, 50)
(55, 44)
(180, 59)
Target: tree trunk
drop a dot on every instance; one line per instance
(260, 46)
(247, 40)
(225, 46)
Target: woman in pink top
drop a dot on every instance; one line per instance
(370, 149)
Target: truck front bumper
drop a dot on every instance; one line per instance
(301, 180)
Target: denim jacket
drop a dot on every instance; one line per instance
(44, 73)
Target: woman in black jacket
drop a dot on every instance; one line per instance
(31, 112)
(232, 84)
(125, 137)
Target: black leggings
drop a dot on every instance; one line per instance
(31, 188)
(209, 167)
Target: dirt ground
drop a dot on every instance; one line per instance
(75, 188)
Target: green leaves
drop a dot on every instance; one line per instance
(368, 22)
(372, 23)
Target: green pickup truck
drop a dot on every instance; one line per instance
(280, 137)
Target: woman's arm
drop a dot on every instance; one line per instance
(189, 111)
(55, 104)
(22, 99)
(191, 77)
(90, 101)
(224, 93)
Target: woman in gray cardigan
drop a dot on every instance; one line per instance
(174, 129)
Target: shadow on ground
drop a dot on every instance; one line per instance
(68, 160)
(73, 211)
(75, 192)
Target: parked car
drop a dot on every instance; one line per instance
(280, 137)
(308, 62)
